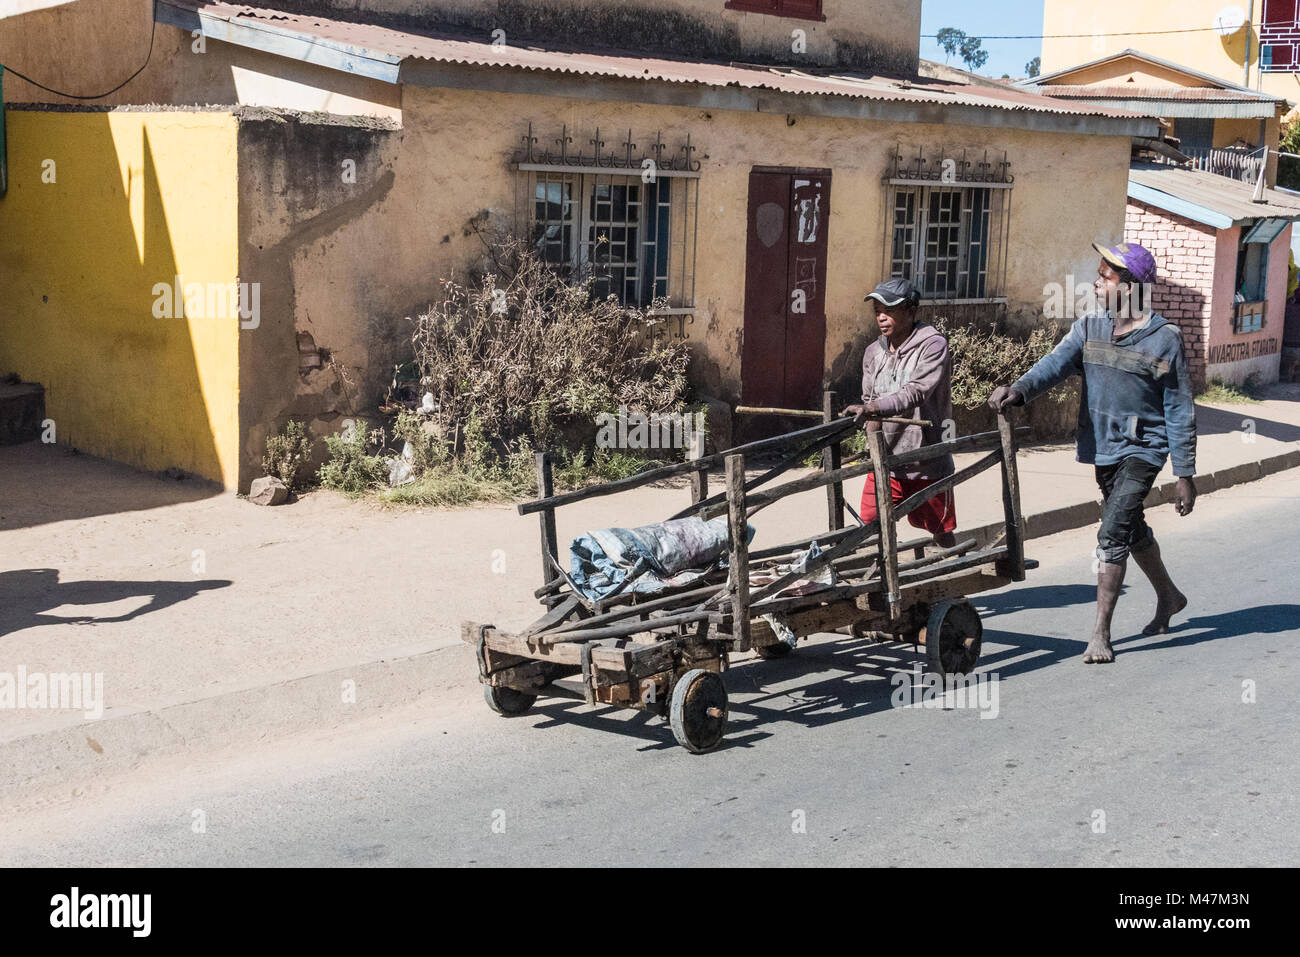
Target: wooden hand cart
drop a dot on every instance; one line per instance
(665, 653)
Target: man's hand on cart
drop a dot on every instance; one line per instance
(867, 415)
(1003, 397)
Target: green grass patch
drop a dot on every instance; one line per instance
(1225, 393)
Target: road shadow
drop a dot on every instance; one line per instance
(1259, 620)
(26, 595)
(846, 678)
(1244, 419)
(1023, 597)
(54, 483)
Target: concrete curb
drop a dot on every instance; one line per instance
(121, 741)
(1081, 514)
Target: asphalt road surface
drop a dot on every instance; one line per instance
(1181, 753)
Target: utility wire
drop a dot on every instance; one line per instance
(98, 96)
(1081, 36)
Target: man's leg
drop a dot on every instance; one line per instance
(1123, 487)
(1169, 600)
(938, 516)
(1110, 579)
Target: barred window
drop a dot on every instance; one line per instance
(619, 232)
(950, 241)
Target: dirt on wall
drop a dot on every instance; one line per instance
(618, 25)
(303, 180)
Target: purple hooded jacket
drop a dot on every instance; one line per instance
(915, 381)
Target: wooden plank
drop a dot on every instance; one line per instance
(1014, 565)
(717, 504)
(545, 489)
(978, 442)
(789, 439)
(626, 628)
(831, 462)
(738, 526)
(888, 541)
(939, 486)
(700, 477)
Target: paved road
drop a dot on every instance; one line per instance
(1156, 760)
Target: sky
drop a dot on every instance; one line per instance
(981, 17)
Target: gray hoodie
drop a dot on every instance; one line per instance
(914, 381)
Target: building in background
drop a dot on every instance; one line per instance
(1254, 43)
(1225, 128)
(357, 151)
(1224, 266)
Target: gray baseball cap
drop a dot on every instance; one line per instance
(892, 292)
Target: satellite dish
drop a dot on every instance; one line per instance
(1229, 20)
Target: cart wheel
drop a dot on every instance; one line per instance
(952, 637)
(507, 701)
(778, 650)
(698, 710)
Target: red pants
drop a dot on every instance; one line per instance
(936, 516)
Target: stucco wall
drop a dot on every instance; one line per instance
(102, 207)
(378, 247)
(881, 34)
(102, 42)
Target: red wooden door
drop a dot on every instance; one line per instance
(784, 349)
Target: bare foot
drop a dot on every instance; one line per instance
(1098, 651)
(1165, 609)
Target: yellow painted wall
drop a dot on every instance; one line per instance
(136, 199)
(1109, 26)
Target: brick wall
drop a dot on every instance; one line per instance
(1184, 290)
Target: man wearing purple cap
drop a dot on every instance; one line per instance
(1135, 411)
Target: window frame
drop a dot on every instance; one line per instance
(665, 238)
(778, 8)
(986, 246)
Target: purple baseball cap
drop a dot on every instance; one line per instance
(1136, 259)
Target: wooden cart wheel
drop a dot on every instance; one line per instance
(507, 701)
(778, 650)
(952, 637)
(698, 710)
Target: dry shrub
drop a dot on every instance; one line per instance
(518, 352)
(983, 359)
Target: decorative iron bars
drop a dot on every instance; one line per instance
(624, 219)
(948, 221)
(965, 166)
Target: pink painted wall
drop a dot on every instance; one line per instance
(1233, 357)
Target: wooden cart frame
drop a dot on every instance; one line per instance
(665, 653)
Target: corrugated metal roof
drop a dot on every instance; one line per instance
(1229, 198)
(383, 46)
(1131, 91)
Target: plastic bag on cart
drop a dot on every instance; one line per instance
(650, 559)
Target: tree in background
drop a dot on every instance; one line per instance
(1034, 66)
(1288, 169)
(949, 40)
(973, 53)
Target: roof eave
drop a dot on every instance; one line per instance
(1200, 213)
(390, 68)
(419, 72)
